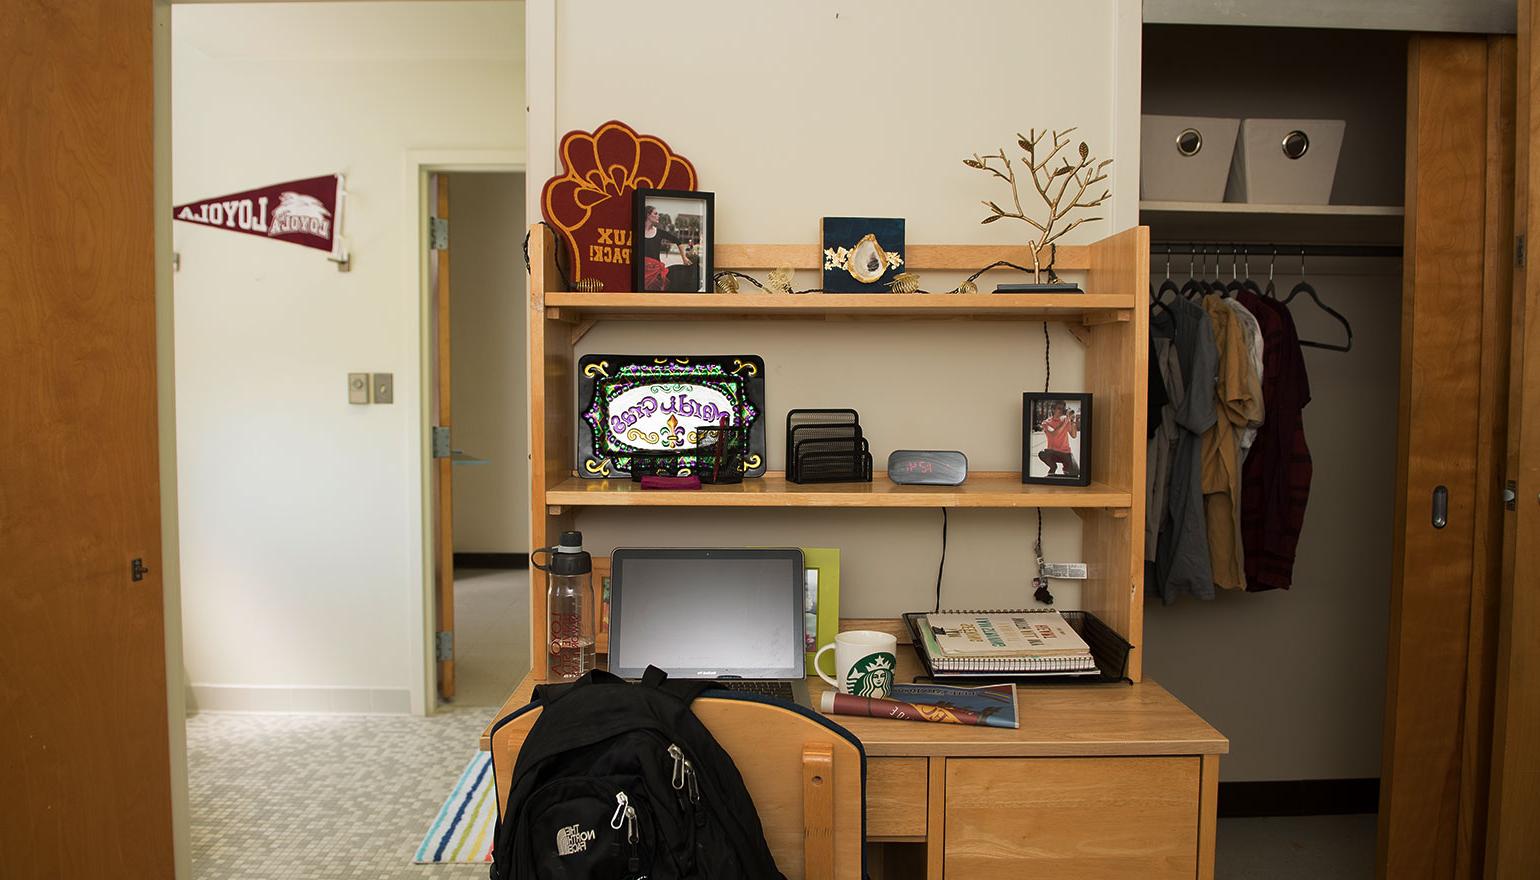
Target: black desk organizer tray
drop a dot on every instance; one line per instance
(1108, 649)
(826, 446)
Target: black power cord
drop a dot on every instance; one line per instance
(941, 569)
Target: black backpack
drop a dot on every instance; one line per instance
(619, 781)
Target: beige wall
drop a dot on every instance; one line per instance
(793, 111)
(488, 287)
(301, 515)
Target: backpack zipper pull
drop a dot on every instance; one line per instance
(690, 777)
(634, 863)
(622, 808)
(679, 766)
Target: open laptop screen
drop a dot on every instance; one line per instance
(707, 613)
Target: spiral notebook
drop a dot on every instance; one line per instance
(1017, 641)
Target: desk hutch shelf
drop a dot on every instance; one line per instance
(1110, 320)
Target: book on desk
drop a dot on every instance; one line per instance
(1042, 645)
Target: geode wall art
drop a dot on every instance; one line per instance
(647, 405)
(861, 254)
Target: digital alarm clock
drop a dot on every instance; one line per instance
(927, 467)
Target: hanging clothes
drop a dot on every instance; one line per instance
(1162, 448)
(1238, 403)
(1275, 478)
(1252, 331)
(1182, 557)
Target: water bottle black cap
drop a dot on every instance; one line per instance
(569, 557)
(572, 539)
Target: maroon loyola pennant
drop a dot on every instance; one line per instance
(304, 212)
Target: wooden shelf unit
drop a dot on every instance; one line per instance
(996, 490)
(1111, 322)
(1279, 224)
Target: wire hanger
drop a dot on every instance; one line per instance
(1235, 286)
(1158, 297)
(1272, 290)
(1305, 287)
(1193, 285)
(1248, 285)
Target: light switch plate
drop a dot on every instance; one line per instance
(384, 387)
(358, 388)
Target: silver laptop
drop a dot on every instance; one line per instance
(734, 616)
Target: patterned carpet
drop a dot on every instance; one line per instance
(317, 797)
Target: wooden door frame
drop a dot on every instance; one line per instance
(416, 167)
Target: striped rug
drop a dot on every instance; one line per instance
(462, 831)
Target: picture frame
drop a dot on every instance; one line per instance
(632, 407)
(822, 567)
(1056, 435)
(672, 236)
(601, 581)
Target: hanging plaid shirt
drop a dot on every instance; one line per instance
(1275, 480)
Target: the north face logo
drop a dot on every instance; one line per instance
(572, 839)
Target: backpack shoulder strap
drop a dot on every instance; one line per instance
(686, 689)
(546, 694)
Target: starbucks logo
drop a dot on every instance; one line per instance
(871, 676)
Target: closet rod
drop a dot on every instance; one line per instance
(1255, 250)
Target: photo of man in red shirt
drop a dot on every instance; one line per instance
(1059, 429)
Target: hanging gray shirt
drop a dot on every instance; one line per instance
(1181, 553)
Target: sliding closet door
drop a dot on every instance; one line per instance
(1513, 844)
(1450, 418)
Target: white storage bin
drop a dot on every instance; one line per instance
(1185, 158)
(1286, 161)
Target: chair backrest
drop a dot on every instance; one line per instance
(805, 779)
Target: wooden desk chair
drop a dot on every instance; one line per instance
(806, 781)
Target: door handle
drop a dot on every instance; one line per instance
(1440, 506)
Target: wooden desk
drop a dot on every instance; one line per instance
(1113, 781)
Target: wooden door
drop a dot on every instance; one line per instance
(443, 465)
(85, 781)
(1453, 357)
(1513, 847)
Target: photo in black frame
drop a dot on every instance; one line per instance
(672, 236)
(1056, 438)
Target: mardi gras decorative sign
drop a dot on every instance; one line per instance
(303, 212)
(589, 202)
(649, 405)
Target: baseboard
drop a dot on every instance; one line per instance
(1299, 797)
(286, 700)
(492, 560)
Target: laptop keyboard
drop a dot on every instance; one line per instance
(780, 690)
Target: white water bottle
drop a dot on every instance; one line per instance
(569, 608)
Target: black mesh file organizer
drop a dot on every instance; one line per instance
(826, 446)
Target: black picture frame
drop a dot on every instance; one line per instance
(1045, 466)
(673, 281)
(610, 384)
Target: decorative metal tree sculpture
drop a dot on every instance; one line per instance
(1053, 185)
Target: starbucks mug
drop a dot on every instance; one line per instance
(864, 661)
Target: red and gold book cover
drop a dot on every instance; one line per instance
(589, 202)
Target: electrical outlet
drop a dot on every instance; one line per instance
(358, 388)
(384, 387)
(1064, 570)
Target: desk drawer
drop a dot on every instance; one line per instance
(895, 797)
(1072, 818)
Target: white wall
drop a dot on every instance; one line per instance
(791, 111)
(488, 318)
(301, 515)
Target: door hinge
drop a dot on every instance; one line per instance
(1510, 495)
(441, 442)
(1518, 251)
(137, 571)
(444, 646)
(438, 233)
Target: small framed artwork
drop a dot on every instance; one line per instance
(671, 241)
(862, 254)
(1056, 438)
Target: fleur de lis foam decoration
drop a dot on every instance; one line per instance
(1063, 187)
